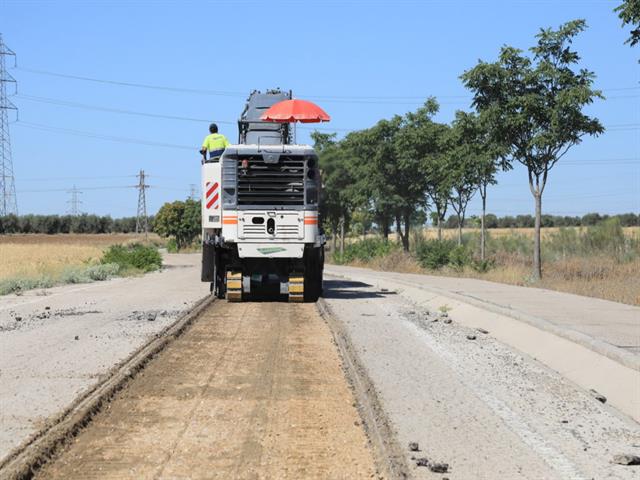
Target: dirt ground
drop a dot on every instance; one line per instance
(56, 343)
(252, 390)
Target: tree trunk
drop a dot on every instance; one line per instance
(537, 262)
(459, 229)
(334, 240)
(342, 236)
(439, 224)
(483, 194)
(385, 228)
(400, 233)
(407, 226)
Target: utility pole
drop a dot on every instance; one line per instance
(142, 222)
(74, 201)
(8, 201)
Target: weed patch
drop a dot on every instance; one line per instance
(133, 258)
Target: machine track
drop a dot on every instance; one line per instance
(249, 390)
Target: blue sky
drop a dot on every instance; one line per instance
(360, 60)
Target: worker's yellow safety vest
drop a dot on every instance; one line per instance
(215, 141)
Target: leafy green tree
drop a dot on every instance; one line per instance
(180, 220)
(336, 204)
(488, 159)
(438, 188)
(629, 12)
(535, 106)
(374, 167)
(422, 174)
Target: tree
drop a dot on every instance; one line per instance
(489, 157)
(463, 167)
(534, 106)
(438, 188)
(417, 147)
(629, 13)
(180, 220)
(335, 208)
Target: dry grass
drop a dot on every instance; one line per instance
(598, 277)
(592, 272)
(30, 256)
(432, 233)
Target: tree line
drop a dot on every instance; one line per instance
(528, 108)
(528, 221)
(52, 224)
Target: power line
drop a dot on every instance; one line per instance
(47, 128)
(8, 199)
(65, 103)
(327, 98)
(134, 84)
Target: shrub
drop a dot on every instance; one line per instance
(434, 254)
(19, 284)
(459, 257)
(103, 272)
(172, 245)
(365, 250)
(133, 257)
(483, 266)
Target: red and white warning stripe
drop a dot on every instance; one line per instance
(213, 195)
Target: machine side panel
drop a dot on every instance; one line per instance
(211, 195)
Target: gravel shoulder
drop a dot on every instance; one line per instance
(56, 343)
(551, 343)
(473, 402)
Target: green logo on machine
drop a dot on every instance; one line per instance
(269, 250)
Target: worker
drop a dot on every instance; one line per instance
(214, 143)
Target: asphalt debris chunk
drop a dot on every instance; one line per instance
(626, 459)
(598, 396)
(447, 321)
(76, 337)
(414, 447)
(482, 330)
(439, 467)
(471, 336)
(422, 462)
(151, 316)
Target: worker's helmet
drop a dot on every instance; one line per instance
(213, 128)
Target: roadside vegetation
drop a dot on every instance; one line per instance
(600, 261)
(528, 108)
(180, 223)
(44, 261)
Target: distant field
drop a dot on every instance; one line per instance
(36, 255)
(500, 232)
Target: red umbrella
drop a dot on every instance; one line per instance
(290, 111)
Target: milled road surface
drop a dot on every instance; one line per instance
(251, 390)
(57, 343)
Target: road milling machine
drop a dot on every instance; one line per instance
(260, 227)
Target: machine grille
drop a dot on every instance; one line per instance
(261, 183)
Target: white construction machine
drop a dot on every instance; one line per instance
(260, 226)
